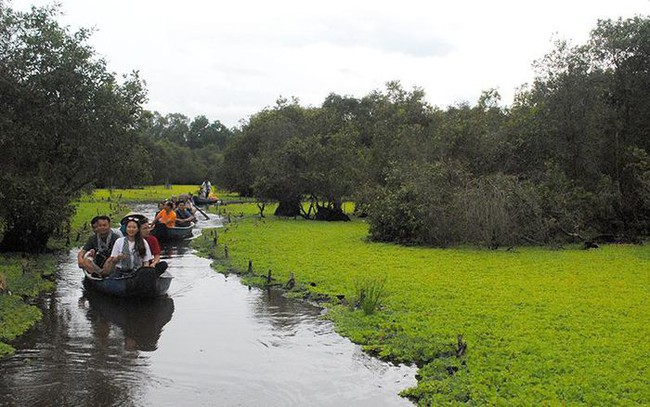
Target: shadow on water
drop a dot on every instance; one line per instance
(212, 341)
(141, 321)
(83, 352)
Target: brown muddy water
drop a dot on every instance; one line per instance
(211, 342)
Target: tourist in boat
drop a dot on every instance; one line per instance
(161, 206)
(189, 204)
(154, 245)
(167, 216)
(130, 252)
(98, 247)
(183, 216)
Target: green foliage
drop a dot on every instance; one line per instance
(165, 140)
(63, 118)
(588, 117)
(542, 326)
(417, 205)
(290, 153)
(567, 158)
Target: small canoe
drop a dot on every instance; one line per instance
(205, 201)
(165, 234)
(143, 283)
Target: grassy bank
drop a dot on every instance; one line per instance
(541, 326)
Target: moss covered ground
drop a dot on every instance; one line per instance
(541, 326)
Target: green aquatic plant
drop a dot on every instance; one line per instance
(369, 292)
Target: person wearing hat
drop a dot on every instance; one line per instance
(130, 252)
(139, 217)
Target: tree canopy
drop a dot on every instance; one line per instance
(568, 158)
(65, 122)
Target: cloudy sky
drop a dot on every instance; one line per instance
(228, 60)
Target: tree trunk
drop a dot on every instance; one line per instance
(331, 212)
(289, 208)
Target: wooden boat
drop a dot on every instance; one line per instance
(205, 201)
(165, 234)
(143, 283)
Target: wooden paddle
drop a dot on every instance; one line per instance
(203, 213)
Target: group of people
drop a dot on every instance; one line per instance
(107, 253)
(115, 253)
(176, 212)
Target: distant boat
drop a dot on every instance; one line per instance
(205, 201)
(143, 283)
(165, 234)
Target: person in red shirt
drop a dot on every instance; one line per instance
(154, 245)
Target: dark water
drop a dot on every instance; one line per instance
(212, 342)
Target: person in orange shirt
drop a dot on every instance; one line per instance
(167, 216)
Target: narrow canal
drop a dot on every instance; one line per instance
(211, 342)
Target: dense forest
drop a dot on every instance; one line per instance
(568, 159)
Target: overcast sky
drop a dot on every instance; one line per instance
(228, 60)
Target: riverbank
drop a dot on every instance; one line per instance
(540, 326)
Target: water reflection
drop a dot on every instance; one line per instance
(141, 321)
(74, 356)
(175, 249)
(282, 313)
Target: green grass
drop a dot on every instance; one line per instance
(542, 326)
(152, 193)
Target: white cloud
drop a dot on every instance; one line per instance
(228, 60)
